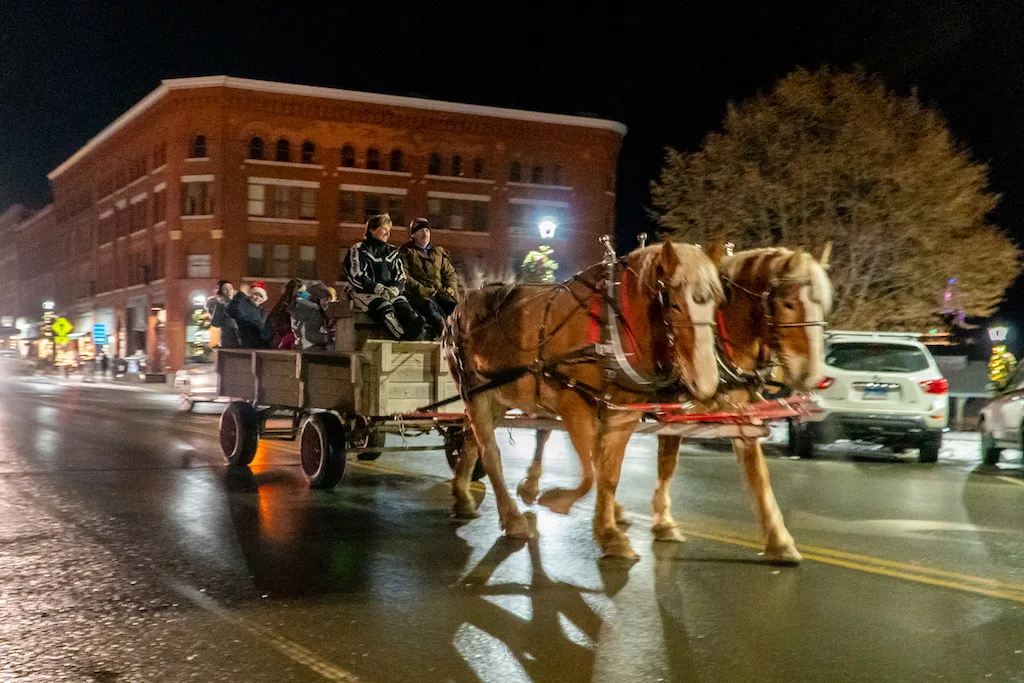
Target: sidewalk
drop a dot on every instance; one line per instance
(122, 384)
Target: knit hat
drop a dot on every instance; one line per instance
(418, 224)
(374, 222)
(318, 290)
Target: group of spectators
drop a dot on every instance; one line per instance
(409, 291)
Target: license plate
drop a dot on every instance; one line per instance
(876, 393)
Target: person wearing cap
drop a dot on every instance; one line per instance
(377, 278)
(309, 317)
(431, 284)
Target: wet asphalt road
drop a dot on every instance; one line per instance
(129, 552)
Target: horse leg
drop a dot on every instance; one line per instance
(578, 418)
(484, 415)
(464, 506)
(665, 527)
(530, 486)
(611, 539)
(779, 543)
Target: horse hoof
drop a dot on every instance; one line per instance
(784, 554)
(464, 510)
(669, 534)
(519, 528)
(527, 492)
(619, 548)
(557, 501)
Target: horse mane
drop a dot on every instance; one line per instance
(695, 268)
(756, 268)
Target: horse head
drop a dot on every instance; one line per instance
(786, 296)
(684, 289)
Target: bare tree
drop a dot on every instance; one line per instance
(831, 156)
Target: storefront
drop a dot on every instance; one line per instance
(198, 333)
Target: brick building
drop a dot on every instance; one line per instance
(223, 178)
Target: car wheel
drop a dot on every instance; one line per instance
(989, 451)
(928, 450)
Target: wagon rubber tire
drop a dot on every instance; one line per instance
(990, 453)
(928, 449)
(322, 450)
(375, 440)
(239, 433)
(454, 438)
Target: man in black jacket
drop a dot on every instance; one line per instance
(374, 270)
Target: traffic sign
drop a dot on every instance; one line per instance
(99, 334)
(61, 327)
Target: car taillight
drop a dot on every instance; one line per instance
(935, 386)
(826, 383)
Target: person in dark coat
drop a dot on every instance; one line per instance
(309, 318)
(251, 330)
(431, 283)
(375, 272)
(219, 318)
(279, 321)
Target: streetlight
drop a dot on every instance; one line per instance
(998, 333)
(547, 227)
(49, 305)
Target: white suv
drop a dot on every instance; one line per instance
(883, 387)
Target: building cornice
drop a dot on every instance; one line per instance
(330, 94)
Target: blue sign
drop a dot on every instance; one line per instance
(99, 334)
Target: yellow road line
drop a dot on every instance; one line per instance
(1018, 482)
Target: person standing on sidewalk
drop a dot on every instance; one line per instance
(104, 364)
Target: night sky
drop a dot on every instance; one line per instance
(667, 73)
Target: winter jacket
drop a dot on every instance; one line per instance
(370, 263)
(219, 318)
(251, 330)
(430, 272)
(309, 323)
(278, 327)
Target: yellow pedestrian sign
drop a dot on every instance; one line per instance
(61, 328)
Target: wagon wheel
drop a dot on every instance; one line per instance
(376, 441)
(322, 450)
(454, 438)
(239, 432)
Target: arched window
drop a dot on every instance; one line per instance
(283, 151)
(478, 167)
(457, 165)
(557, 176)
(537, 176)
(515, 172)
(308, 152)
(372, 158)
(397, 160)
(348, 156)
(434, 164)
(256, 148)
(198, 147)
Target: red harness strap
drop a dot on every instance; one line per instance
(720, 319)
(594, 331)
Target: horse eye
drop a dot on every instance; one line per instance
(788, 306)
(700, 298)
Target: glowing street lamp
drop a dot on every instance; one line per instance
(547, 227)
(998, 334)
(48, 306)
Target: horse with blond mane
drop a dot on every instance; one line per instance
(583, 350)
(776, 301)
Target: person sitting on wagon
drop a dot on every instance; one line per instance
(431, 284)
(377, 277)
(309, 318)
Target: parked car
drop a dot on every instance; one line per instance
(196, 383)
(1002, 418)
(881, 387)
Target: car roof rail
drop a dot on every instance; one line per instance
(855, 334)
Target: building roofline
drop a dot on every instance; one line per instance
(34, 217)
(333, 94)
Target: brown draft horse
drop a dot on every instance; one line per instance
(524, 348)
(773, 316)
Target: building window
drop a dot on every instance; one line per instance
(515, 172)
(457, 214)
(396, 209)
(457, 165)
(197, 198)
(434, 164)
(307, 203)
(478, 167)
(349, 207)
(197, 150)
(537, 175)
(257, 199)
(281, 262)
(256, 266)
(372, 158)
(348, 156)
(159, 207)
(283, 151)
(198, 265)
(373, 204)
(397, 160)
(307, 262)
(282, 207)
(308, 152)
(256, 148)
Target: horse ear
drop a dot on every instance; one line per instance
(717, 251)
(669, 257)
(826, 254)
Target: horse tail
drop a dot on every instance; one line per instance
(454, 340)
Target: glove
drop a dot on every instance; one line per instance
(379, 290)
(394, 293)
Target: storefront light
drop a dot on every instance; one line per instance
(547, 227)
